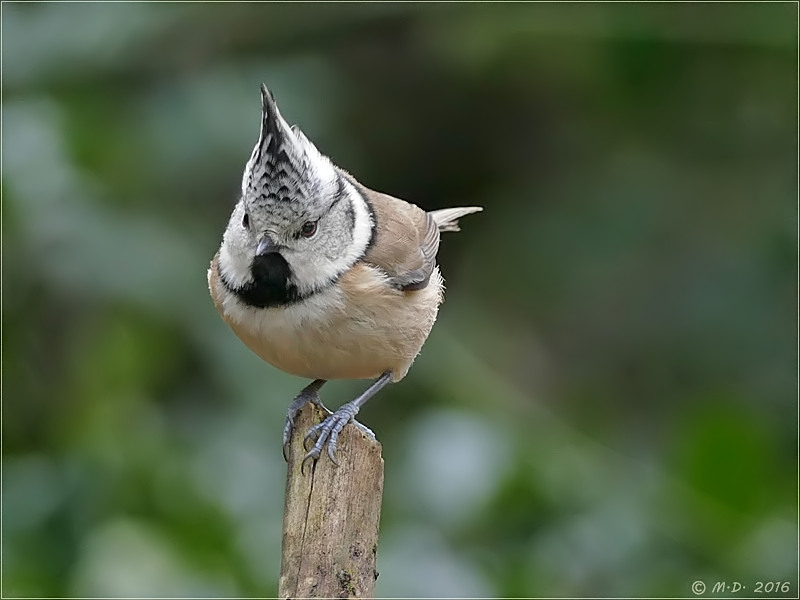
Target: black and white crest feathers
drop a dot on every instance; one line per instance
(284, 166)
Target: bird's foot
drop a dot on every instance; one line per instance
(327, 433)
(309, 394)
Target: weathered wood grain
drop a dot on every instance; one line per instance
(331, 517)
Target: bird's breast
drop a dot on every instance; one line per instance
(358, 328)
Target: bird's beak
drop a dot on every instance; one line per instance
(266, 245)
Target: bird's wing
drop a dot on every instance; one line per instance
(406, 241)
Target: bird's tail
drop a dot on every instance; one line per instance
(447, 218)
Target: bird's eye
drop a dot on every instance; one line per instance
(308, 229)
(246, 221)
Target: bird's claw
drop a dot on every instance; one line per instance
(327, 434)
(293, 412)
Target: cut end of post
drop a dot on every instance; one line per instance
(331, 516)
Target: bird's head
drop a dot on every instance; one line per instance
(299, 223)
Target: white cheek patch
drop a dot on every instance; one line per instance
(234, 264)
(314, 272)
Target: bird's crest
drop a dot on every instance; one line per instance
(284, 165)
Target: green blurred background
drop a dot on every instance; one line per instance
(608, 404)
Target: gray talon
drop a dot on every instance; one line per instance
(310, 393)
(327, 432)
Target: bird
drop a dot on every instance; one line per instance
(325, 278)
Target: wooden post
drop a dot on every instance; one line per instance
(331, 517)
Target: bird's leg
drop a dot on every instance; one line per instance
(310, 393)
(328, 431)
